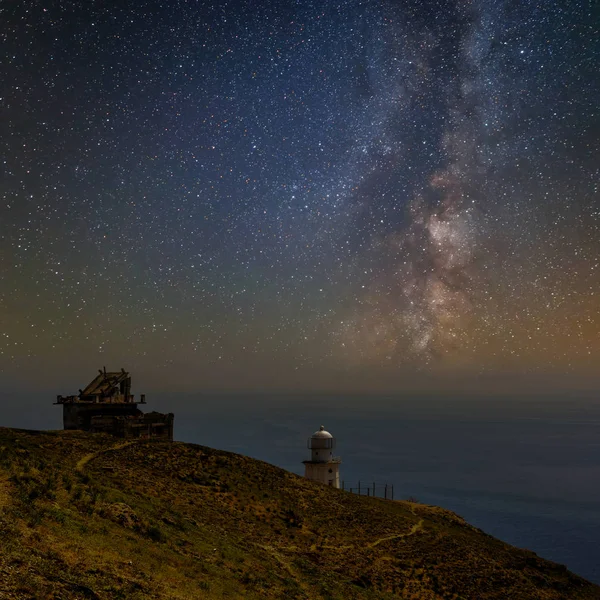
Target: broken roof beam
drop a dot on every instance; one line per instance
(104, 381)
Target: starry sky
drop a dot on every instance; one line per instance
(296, 194)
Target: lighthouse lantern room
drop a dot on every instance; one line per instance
(322, 466)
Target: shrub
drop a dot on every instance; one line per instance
(156, 534)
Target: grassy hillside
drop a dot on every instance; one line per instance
(84, 516)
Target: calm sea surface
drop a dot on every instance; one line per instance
(524, 470)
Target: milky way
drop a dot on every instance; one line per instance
(256, 196)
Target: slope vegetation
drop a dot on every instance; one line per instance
(87, 516)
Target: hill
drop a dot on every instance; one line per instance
(87, 516)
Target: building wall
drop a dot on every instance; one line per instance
(321, 454)
(121, 420)
(78, 415)
(158, 426)
(325, 473)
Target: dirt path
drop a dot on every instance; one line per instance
(84, 460)
(289, 568)
(416, 527)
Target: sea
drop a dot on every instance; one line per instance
(525, 470)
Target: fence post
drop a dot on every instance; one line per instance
(342, 484)
(373, 489)
(392, 491)
(385, 492)
(359, 488)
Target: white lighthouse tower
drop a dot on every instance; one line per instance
(322, 466)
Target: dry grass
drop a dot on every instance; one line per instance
(83, 517)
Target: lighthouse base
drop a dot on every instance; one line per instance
(327, 473)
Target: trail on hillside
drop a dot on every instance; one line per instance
(416, 527)
(298, 578)
(84, 460)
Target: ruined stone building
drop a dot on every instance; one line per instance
(107, 405)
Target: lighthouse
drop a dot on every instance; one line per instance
(322, 466)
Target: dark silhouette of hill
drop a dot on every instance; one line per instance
(89, 516)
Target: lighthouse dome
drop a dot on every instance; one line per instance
(321, 440)
(322, 434)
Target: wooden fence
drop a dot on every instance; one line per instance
(376, 490)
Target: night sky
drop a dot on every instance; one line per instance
(297, 194)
